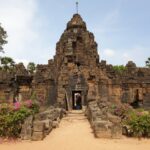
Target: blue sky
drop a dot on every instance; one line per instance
(121, 28)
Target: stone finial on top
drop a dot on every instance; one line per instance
(76, 22)
(77, 8)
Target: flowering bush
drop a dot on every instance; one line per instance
(13, 115)
(28, 103)
(35, 108)
(17, 106)
(138, 123)
(121, 110)
(5, 108)
(136, 120)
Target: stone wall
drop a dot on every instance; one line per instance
(37, 127)
(76, 67)
(103, 123)
(15, 84)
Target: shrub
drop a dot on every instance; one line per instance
(5, 108)
(28, 103)
(12, 117)
(138, 123)
(17, 106)
(10, 123)
(35, 108)
(121, 110)
(119, 68)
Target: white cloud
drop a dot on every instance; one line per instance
(109, 52)
(18, 19)
(24, 61)
(137, 54)
(126, 57)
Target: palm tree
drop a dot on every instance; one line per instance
(3, 36)
(148, 62)
(31, 67)
(7, 63)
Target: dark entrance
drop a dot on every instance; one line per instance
(76, 100)
(137, 101)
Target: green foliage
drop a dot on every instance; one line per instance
(11, 119)
(119, 68)
(35, 108)
(136, 120)
(3, 36)
(7, 63)
(33, 97)
(10, 122)
(148, 62)
(138, 123)
(5, 108)
(31, 67)
(122, 110)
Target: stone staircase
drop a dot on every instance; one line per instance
(75, 115)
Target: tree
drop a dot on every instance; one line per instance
(3, 36)
(148, 62)
(31, 67)
(7, 63)
(119, 68)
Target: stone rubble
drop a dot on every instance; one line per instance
(37, 127)
(104, 124)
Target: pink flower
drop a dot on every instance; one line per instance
(17, 106)
(28, 103)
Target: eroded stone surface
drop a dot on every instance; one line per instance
(76, 67)
(37, 127)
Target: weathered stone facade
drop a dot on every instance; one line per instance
(37, 127)
(103, 122)
(15, 85)
(76, 69)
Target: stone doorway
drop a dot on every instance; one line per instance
(76, 100)
(137, 102)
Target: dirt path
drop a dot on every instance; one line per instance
(74, 133)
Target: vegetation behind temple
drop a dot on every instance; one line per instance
(119, 68)
(148, 62)
(9, 65)
(3, 36)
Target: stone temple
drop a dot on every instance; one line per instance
(76, 76)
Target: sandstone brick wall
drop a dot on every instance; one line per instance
(76, 67)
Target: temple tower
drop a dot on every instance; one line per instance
(76, 61)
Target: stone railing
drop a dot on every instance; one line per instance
(37, 127)
(103, 123)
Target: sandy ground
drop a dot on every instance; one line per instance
(75, 133)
